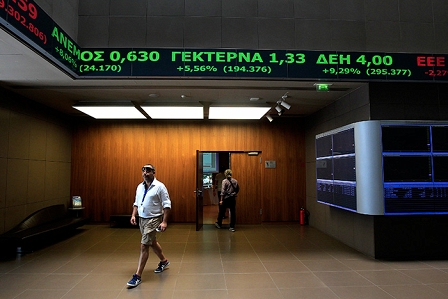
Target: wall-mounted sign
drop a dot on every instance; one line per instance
(28, 21)
(270, 164)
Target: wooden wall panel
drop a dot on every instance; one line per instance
(283, 187)
(246, 169)
(107, 158)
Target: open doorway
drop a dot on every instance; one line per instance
(213, 164)
(247, 169)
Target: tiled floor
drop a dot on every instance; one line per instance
(257, 261)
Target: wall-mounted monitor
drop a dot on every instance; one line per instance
(384, 167)
(344, 168)
(407, 168)
(324, 146)
(336, 169)
(440, 139)
(440, 165)
(400, 138)
(324, 169)
(344, 142)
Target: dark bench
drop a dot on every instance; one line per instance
(44, 226)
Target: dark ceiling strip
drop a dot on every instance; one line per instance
(174, 87)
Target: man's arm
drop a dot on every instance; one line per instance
(164, 224)
(134, 213)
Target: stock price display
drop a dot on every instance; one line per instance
(366, 66)
(29, 22)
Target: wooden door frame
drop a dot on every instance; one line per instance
(199, 190)
(199, 209)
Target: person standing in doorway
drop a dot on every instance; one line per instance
(229, 191)
(218, 185)
(153, 204)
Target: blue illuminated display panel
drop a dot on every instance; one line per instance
(397, 168)
(336, 169)
(415, 166)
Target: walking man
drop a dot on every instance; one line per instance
(153, 204)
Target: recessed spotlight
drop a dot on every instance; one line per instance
(284, 104)
(153, 95)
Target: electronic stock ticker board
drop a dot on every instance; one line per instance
(26, 20)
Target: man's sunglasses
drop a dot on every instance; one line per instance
(147, 169)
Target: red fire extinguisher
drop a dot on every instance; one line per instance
(302, 216)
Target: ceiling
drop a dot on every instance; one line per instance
(26, 73)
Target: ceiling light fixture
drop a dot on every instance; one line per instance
(237, 112)
(174, 112)
(269, 117)
(284, 104)
(278, 108)
(110, 110)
